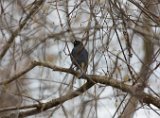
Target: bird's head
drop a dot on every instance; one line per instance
(77, 43)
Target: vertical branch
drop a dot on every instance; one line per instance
(145, 69)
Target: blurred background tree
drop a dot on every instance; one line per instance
(121, 36)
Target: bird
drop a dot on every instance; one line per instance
(79, 57)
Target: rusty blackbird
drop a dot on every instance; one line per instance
(79, 56)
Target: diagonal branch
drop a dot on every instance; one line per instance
(35, 8)
(37, 108)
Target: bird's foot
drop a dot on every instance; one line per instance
(71, 69)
